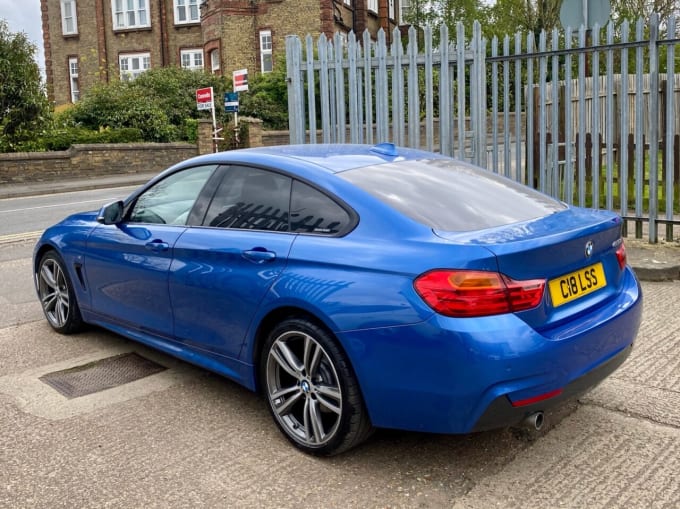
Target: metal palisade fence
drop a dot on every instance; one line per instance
(582, 115)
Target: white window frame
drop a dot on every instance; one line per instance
(215, 60)
(69, 17)
(372, 5)
(266, 45)
(404, 6)
(74, 84)
(348, 2)
(191, 55)
(130, 14)
(390, 9)
(127, 61)
(187, 11)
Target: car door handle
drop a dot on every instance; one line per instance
(259, 255)
(157, 246)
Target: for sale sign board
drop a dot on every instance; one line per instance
(241, 80)
(204, 98)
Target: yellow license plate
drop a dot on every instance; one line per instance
(576, 284)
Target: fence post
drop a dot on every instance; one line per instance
(478, 100)
(653, 127)
(296, 119)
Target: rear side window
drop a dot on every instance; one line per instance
(251, 199)
(311, 211)
(450, 195)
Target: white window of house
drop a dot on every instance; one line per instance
(348, 2)
(266, 63)
(192, 58)
(187, 11)
(373, 5)
(69, 19)
(404, 6)
(391, 9)
(130, 14)
(73, 78)
(215, 60)
(132, 65)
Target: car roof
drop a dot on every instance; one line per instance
(333, 158)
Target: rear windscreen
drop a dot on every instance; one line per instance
(450, 195)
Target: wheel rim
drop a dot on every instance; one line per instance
(53, 292)
(304, 389)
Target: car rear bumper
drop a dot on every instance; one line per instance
(501, 413)
(449, 375)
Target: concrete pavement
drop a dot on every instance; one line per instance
(652, 262)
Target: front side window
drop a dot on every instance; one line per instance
(187, 11)
(73, 78)
(69, 19)
(170, 201)
(266, 64)
(250, 199)
(192, 58)
(130, 14)
(373, 5)
(132, 65)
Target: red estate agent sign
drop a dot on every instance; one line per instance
(204, 98)
(240, 79)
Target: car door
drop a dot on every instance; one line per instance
(222, 270)
(127, 263)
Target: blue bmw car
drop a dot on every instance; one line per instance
(355, 286)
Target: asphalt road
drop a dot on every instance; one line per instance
(188, 438)
(34, 213)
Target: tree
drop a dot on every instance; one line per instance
(158, 103)
(507, 17)
(23, 103)
(632, 10)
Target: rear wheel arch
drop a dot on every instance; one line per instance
(309, 384)
(271, 320)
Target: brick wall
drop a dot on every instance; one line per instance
(82, 161)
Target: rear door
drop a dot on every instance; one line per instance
(222, 270)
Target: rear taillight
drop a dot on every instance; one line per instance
(621, 255)
(467, 293)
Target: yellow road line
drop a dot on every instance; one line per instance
(18, 237)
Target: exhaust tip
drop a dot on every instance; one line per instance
(534, 421)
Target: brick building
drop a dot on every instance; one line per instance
(90, 41)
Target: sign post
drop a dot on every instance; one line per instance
(231, 105)
(205, 101)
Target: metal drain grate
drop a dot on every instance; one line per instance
(100, 375)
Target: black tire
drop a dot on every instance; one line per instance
(57, 298)
(311, 389)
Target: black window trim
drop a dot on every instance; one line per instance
(223, 169)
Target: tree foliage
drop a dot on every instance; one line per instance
(158, 103)
(267, 97)
(23, 103)
(507, 17)
(632, 10)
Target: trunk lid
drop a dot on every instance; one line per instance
(574, 251)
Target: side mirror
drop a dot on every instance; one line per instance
(111, 213)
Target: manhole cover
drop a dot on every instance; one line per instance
(102, 374)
